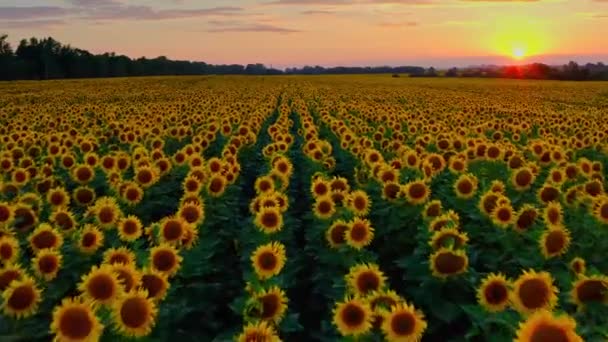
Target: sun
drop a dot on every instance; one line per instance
(518, 53)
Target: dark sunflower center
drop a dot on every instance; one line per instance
(21, 298)
(48, 264)
(134, 312)
(44, 239)
(496, 293)
(353, 315)
(164, 260)
(403, 323)
(101, 286)
(555, 242)
(270, 306)
(448, 263)
(547, 332)
(534, 293)
(153, 284)
(267, 261)
(368, 281)
(75, 323)
(592, 291)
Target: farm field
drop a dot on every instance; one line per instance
(295, 208)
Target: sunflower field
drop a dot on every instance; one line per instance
(331, 208)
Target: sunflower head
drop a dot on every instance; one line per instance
(258, 331)
(448, 262)
(9, 249)
(503, 216)
(45, 236)
(165, 259)
(268, 260)
(554, 241)
(417, 192)
(155, 283)
(578, 265)
(493, 293)
(590, 289)
(101, 285)
(90, 239)
(47, 263)
(324, 207)
(432, 209)
(448, 237)
(533, 291)
(269, 220)
(360, 233)
(21, 298)
(120, 255)
(352, 317)
(404, 323)
(270, 304)
(127, 275)
(363, 279)
(526, 217)
(134, 314)
(465, 186)
(544, 326)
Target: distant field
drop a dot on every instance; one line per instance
(303, 208)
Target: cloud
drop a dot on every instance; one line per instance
(15, 13)
(256, 27)
(396, 25)
(94, 3)
(43, 23)
(310, 2)
(148, 13)
(317, 12)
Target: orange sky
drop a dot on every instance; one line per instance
(331, 32)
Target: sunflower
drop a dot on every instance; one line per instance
(101, 285)
(544, 326)
(600, 209)
(447, 262)
(404, 323)
(45, 236)
(172, 229)
(64, 219)
(417, 192)
(268, 260)
(129, 228)
(90, 239)
(548, 193)
(260, 331)
(352, 317)
(487, 202)
(324, 207)
(20, 177)
(392, 191)
(522, 178)
(9, 249)
(335, 234)
(526, 217)
(358, 202)
(319, 187)
(134, 314)
(217, 185)
(269, 220)
(503, 215)
(21, 298)
(107, 212)
(578, 266)
(83, 174)
(383, 299)
(190, 237)
(192, 212)
(84, 195)
(46, 263)
(365, 278)
(498, 187)
(272, 304)
(534, 291)
(7, 213)
(465, 186)
(75, 321)
(25, 217)
(146, 176)
(58, 197)
(264, 184)
(155, 283)
(120, 255)
(553, 214)
(165, 259)
(127, 275)
(132, 193)
(493, 293)
(590, 289)
(448, 237)
(192, 184)
(432, 209)
(448, 219)
(9, 273)
(359, 234)
(554, 241)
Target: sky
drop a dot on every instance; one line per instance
(286, 33)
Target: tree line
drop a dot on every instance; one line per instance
(46, 58)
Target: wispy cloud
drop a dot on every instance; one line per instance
(148, 13)
(221, 27)
(317, 12)
(398, 24)
(29, 24)
(17, 13)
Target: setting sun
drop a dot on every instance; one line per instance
(519, 53)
